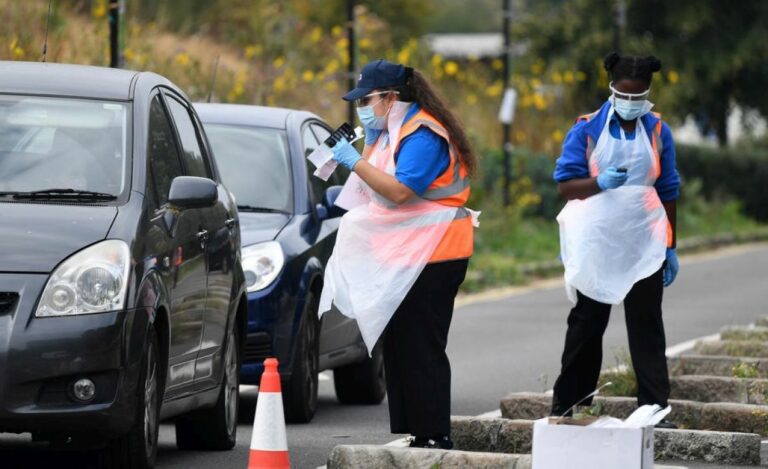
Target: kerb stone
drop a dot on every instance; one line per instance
(387, 457)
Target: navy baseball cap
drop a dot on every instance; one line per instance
(376, 75)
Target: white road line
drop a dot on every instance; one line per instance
(324, 376)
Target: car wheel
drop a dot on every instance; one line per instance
(215, 428)
(138, 448)
(300, 393)
(362, 383)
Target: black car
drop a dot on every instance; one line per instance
(122, 295)
(289, 224)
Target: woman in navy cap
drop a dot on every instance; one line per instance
(400, 258)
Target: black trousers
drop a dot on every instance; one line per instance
(416, 365)
(583, 353)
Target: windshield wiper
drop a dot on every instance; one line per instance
(251, 208)
(61, 194)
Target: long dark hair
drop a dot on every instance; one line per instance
(419, 89)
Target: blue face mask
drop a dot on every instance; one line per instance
(631, 110)
(369, 119)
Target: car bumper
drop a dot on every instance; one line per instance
(40, 359)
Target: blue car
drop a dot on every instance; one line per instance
(288, 224)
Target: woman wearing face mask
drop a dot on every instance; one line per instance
(399, 259)
(617, 233)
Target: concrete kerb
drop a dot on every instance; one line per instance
(516, 436)
(714, 365)
(744, 333)
(719, 389)
(725, 417)
(388, 457)
(733, 348)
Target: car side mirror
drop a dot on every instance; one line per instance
(329, 203)
(192, 192)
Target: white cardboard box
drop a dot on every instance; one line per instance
(577, 447)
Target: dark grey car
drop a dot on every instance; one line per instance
(122, 296)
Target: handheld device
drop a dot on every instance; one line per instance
(345, 130)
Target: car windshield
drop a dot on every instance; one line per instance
(254, 165)
(63, 146)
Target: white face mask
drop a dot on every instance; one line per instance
(630, 106)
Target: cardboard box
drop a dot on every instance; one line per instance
(580, 447)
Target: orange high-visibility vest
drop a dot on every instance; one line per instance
(656, 146)
(450, 188)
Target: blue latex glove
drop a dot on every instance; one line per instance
(371, 135)
(671, 266)
(345, 154)
(611, 179)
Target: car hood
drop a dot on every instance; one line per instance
(260, 227)
(36, 237)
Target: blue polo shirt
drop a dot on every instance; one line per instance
(421, 158)
(572, 163)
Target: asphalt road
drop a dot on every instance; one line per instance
(502, 342)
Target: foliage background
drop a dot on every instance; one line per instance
(293, 53)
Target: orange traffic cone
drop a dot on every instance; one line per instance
(269, 447)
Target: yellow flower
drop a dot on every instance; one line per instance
(403, 56)
(539, 102)
(451, 68)
(308, 75)
(365, 43)
(18, 52)
(253, 50)
(557, 78)
(568, 77)
(316, 35)
(342, 43)
(331, 67)
(436, 60)
(495, 89)
(537, 67)
(182, 58)
(535, 83)
(557, 135)
(581, 76)
(336, 31)
(278, 62)
(497, 64)
(673, 77)
(471, 99)
(278, 84)
(99, 10)
(128, 54)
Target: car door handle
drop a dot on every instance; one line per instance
(230, 223)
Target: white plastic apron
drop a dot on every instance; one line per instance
(381, 248)
(615, 238)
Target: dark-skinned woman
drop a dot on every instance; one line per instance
(617, 233)
(399, 258)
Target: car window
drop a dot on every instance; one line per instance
(192, 154)
(161, 150)
(63, 143)
(254, 164)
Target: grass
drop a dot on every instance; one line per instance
(509, 244)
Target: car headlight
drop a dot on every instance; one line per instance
(92, 281)
(262, 264)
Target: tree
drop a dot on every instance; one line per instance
(714, 52)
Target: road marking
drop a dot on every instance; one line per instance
(324, 376)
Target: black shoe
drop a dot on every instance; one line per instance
(438, 442)
(666, 424)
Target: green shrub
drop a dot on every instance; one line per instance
(736, 173)
(746, 370)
